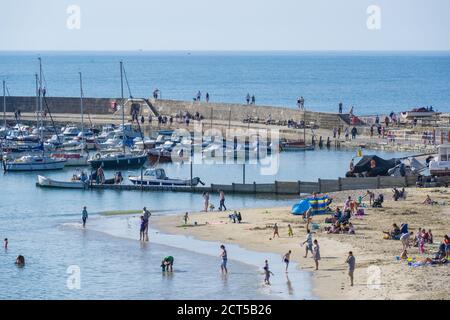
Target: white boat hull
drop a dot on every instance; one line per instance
(46, 182)
(52, 165)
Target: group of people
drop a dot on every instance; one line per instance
(250, 99)
(209, 206)
(198, 96)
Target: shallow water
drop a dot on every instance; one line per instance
(43, 225)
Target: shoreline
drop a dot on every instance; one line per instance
(378, 274)
(295, 285)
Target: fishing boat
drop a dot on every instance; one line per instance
(299, 145)
(47, 182)
(33, 163)
(157, 177)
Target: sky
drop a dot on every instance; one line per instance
(217, 25)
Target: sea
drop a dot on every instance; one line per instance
(106, 260)
(371, 82)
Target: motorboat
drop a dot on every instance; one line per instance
(419, 113)
(440, 165)
(157, 177)
(71, 131)
(34, 163)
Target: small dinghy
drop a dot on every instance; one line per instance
(157, 177)
(50, 183)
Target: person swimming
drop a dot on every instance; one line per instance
(20, 261)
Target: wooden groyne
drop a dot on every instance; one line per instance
(275, 188)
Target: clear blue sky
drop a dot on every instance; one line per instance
(225, 25)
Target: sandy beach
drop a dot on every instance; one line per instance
(378, 274)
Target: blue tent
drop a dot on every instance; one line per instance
(318, 205)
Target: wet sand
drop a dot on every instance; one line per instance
(378, 274)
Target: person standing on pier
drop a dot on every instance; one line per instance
(247, 98)
(302, 103)
(222, 201)
(84, 216)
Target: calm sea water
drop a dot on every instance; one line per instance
(371, 82)
(43, 225)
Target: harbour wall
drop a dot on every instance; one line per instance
(215, 111)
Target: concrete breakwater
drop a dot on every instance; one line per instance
(216, 111)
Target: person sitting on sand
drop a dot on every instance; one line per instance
(378, 202)
(396, 194)
(428, 200)
(20, 261)
(394, 233)
(447, 245)
(351, 228)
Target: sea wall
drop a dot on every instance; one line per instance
(218, 111)
(238, 112)
(59, 105)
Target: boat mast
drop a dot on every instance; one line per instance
(37, 98)
(123, 106)
(82, 111)
(4, 103)
(40, 100)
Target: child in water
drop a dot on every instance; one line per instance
(267, 273)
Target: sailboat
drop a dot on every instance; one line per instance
(76, 158)
(119, 160)
(35, 162)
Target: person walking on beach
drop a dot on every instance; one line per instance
(351, 261)
(253, 99)
(267, 273)
(302, 103)
(290, 232)
(186, 218)
(275, 231)
(224, 256)
(316, 253)
(207, 97)
(206, 201)
(222, 201)
(146, 214)
(309, 243)
(286, 259)
(84, 216)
